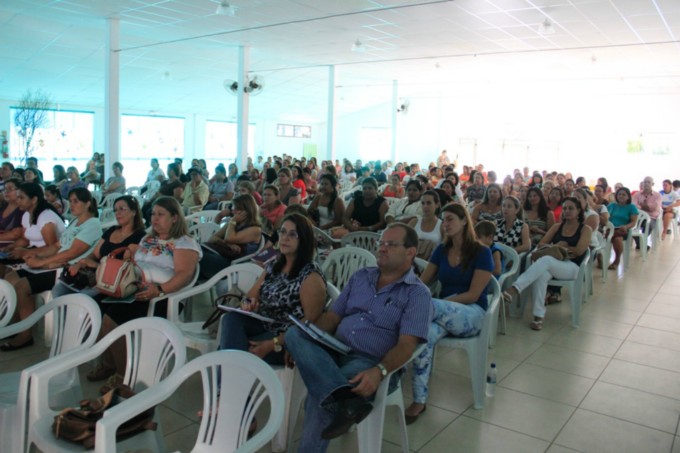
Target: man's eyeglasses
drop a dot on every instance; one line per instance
(292, 234)
(390, 244)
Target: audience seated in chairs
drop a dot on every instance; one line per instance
(327, 208)
(293, 284)
(382, 314)
(239, 237)
(130, 230)
(623, 215)
(55, 247)
(572, 233)
(168, 257)
(463, 303)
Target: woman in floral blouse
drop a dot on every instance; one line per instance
(293, 284)
(168, 257)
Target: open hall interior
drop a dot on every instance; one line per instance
(586, 86)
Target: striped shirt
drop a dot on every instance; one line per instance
(373, 320)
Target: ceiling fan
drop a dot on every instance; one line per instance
(254, 86)
(403, 106)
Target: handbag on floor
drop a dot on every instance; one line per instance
(78, 424)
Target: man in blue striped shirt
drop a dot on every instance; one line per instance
(382, 314)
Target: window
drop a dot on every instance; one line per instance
(143, 137)
(67, 138)
(289, 130)
(375, 143)
(221, 141)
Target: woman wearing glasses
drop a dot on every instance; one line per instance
(10, 214)
(130, 230)
(239, 237)
(463, 266)
(292, 284)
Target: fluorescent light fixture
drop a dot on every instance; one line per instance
(546, 28)
(358, 46)
(225, 9)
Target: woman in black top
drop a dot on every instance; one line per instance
(130, 230)
(571, 233)
(366, 212)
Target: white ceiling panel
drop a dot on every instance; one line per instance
(187, 50)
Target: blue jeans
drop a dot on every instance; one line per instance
(450, 318)
(61, 290)
(238, 330)
(323, 372)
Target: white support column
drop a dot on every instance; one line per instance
(395, 106)
(112, 97)
(330, 118)
(243, 100)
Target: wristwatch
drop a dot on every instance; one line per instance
(277, 345)
(383, 371)
(160, 291)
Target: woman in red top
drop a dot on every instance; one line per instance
(394, 189)
(298, 182)
(272, 209)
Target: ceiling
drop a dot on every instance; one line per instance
(175, 54)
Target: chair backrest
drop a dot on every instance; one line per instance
(236, 384)
(512, 261)
(207, 216)
(363, 239)
(8, 303)
(583, 267)
(154, 347)
(151, 189)
(643, 218)
(241, 275)
(76, 322)
(110, 200)
(608, 232)
(97, 195)
(435, 286)
(323, 239)
(133, 190)
(203, 231)
(345, 261)
(333, 294)
(493, 298)
(260, 247)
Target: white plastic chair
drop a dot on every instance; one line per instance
(642, 236)
(576, 287)
(606, 250)
(246, 258)
(235, 386)
(155, 300)
(77, 320)
(242, 275)
(133, 190)
(343, 262)
(362, 239)
(370, 430)
(295, 393)
(477, 347)
(155, 349)
(202, 217)
(507, 277)
(323, 239)
(151, 190)
(435, 286)
(203, 231)
(109, 200)
(96, 194)
(8, 303)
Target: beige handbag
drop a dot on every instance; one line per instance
(118, 278)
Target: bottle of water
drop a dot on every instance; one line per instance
(491, 381)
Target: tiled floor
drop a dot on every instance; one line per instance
(611, 385)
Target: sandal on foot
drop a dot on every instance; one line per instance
(536, 324)
(613, 266)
